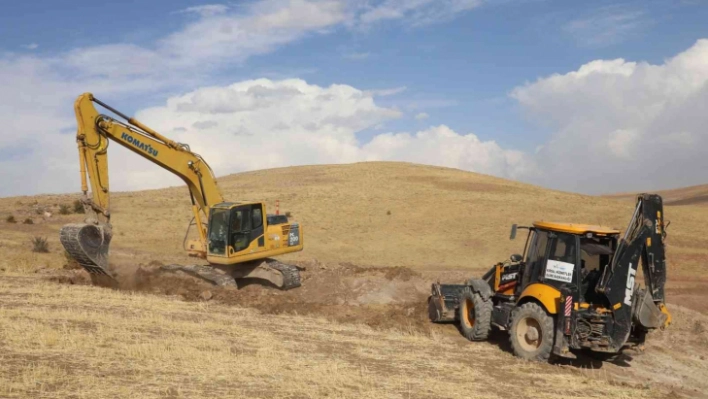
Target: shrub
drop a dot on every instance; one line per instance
(388, 213)
(288, 214)
(40, 245)
(11, 219)
(28, 221)
(79, 207)
(64, 209)
(38, 211)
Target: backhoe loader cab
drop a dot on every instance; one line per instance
(566, 255)
(574, 287)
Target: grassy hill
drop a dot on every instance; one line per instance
(371, 214)
(693, 195)
(376, 235)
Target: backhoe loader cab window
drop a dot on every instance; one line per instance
(594, 256)
(562, 260)
(218, 231)
(535, 256)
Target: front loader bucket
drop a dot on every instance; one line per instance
(443, 302)
(88, 245)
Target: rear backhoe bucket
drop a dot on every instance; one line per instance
(88, 245)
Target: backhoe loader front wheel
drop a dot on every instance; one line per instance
(531, 332)
(475, 314)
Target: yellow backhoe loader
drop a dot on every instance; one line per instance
(236, 238)
(575, 289)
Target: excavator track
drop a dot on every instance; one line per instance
(88, 245)
(282, 275)
(291, 274)
(208, 273)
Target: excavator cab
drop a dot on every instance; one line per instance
(232, 229)
(242, 231)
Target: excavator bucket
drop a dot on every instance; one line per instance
(88, 245)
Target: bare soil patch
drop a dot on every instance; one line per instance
(375, 296)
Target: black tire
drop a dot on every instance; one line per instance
(475, 314)
(524, 343)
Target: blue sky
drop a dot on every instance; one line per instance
(456, 67)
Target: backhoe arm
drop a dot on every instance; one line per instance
(643, 239)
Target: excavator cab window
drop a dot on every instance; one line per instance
(246, 226)
(218, 231)
(241, 224)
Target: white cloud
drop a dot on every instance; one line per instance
(263, 26)
(261, 123)
(39, 154)
(31, 46)
(206, 10)
(607, 25)
(617, 125)
(386, 92)
(623, 125)
(415, 12)
(421, 116)
(442, 146)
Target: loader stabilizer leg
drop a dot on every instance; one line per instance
(564, 326)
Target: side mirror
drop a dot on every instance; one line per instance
(513, 231)
(516, 258)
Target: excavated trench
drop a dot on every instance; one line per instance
(379, 297)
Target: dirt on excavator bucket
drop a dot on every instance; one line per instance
(88, 245)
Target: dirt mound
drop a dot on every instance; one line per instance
(379, 297)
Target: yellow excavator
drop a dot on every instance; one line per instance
(237, 238)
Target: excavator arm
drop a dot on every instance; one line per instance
(88, 242)
(643, 243)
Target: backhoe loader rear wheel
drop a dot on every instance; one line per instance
(475, 314)
(531, 332)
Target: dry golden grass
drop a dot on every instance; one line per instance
(87, 342)
(76, 341)
(693, 195)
